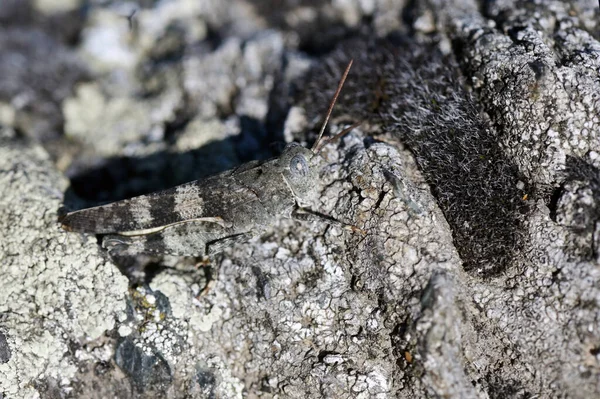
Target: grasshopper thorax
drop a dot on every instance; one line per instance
(300, 169)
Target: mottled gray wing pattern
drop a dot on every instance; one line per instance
(215, 196)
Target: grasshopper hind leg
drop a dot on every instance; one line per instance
(120, 246)
(179, 240)
(152, 244)
(216, 246)
(185, 239)
(171, 243)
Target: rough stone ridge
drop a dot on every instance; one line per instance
(535, 70)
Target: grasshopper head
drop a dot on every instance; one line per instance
(300, 169)
(300, 166)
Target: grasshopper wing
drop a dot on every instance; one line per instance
(195, 200)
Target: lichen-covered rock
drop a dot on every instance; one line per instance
(57, 292)
(542, 242)
(472, 186)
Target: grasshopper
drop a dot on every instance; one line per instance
(203, 217)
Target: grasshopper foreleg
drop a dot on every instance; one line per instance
(307, 215)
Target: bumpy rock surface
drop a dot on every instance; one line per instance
(474, 182)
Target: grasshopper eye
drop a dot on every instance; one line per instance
(298, 166)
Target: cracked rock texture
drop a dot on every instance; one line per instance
(475, 177)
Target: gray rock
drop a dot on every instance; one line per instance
(37, 73)
(150, 373)
(4, 349)
(475, 176)
(207, 382)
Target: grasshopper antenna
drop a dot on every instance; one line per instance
(131, 19)
(317, 144)
(337, 136)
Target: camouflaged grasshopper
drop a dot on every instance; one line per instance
(204, 216)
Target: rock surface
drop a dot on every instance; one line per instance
(475, 177)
